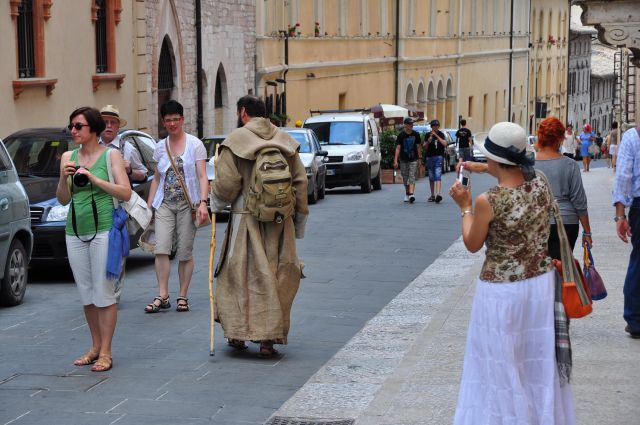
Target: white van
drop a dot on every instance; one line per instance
(351, 139)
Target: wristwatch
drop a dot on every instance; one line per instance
(619, 217)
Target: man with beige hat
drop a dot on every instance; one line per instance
(136, 171)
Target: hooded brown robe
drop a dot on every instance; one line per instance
(258, 273)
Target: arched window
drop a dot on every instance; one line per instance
(165, 80)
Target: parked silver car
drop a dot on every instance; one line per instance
(15, 226)
(314, 160)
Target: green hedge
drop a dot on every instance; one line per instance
(388, 147)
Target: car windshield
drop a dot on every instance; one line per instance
(338, 133)
(210, 144)
(452, 133)
(302, 138)
(38, 155)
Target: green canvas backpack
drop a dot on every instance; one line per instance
(271, 196)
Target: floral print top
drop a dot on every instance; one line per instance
(517, 238)
(173, 192)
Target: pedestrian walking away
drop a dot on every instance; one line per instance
(569, 145)
(409, 152)
(566, 183)
(464, 140)
(258, 272)
(614, 137)
(178, 192)
(96, 235)
(434, 145)
(626, 193)
(517, 360)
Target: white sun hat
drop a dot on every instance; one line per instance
(505, 140)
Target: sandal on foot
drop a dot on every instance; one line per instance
(267, 351)
(103, 364)
(162, 303)
(182, 306)
(87, 358)
(238, 344)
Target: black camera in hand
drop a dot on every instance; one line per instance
(80, 180)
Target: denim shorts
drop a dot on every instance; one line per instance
(434, 166)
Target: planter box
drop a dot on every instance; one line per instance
(388, 177)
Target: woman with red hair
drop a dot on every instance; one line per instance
(566, 183)
(586, 137)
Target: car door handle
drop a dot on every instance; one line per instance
(4, 204)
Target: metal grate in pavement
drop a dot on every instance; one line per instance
(279, 420)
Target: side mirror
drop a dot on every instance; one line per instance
(323, 153)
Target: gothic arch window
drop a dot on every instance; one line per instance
(165, 79)
(220, 96)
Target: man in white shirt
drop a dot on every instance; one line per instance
(133, 164)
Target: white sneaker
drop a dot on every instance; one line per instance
(406, 198)
(412, 199)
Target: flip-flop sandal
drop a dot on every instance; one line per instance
(103, 364)
(87, 358)
(237, 344)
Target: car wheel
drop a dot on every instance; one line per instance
(14, 282)
(365, 186)
(377, 181)
(321, 192)
(313, 196)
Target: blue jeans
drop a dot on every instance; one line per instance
(434, 166)
(632, 281)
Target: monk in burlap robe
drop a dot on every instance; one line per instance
(258, 273)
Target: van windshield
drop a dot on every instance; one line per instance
(338, 133)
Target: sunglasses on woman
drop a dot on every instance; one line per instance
(77, 126)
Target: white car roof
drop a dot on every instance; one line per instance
(350, 117)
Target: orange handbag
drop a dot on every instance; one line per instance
(575, 293)
(574, 306)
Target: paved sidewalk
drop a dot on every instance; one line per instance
(404, 366)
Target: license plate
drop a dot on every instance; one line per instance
(331, 172)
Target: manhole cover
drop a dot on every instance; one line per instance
(279, 420)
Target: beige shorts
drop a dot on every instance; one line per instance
(613, 150)
(170, 219)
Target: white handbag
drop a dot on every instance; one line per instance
(139, 213)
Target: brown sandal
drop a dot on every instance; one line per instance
(238, 344)
(163, 303)
(87, 358)
(103, 364)
(182, 304)
(266, 350)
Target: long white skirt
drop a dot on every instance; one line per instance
(510, 374)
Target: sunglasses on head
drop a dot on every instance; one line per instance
(78, 126)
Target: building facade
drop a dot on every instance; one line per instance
(580, 37)
(131, 53)
(548, 67)
(603, 81)
(425, 54)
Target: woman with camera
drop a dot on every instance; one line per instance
(84, 183)
(566, 183)
(513, 371)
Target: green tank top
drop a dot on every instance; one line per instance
(82, 201)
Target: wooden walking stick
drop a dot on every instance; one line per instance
(212, 251)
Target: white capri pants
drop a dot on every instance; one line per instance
(88, 261)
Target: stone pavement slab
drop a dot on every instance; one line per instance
(404, 366)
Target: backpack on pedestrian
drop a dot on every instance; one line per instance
(271, 196)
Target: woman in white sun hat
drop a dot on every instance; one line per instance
(513, 371)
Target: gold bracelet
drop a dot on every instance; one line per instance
(465, 212)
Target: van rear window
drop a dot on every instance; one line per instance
(338, 133)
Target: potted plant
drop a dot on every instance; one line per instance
(316, 30)
(387, 151)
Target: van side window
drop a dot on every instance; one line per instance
(369, 133)
(5, 161)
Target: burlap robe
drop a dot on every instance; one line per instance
(258, 273)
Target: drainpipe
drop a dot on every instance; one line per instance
(199, 118)
(396, 63)
(529, 72)
(284, 74)
(510, 64)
